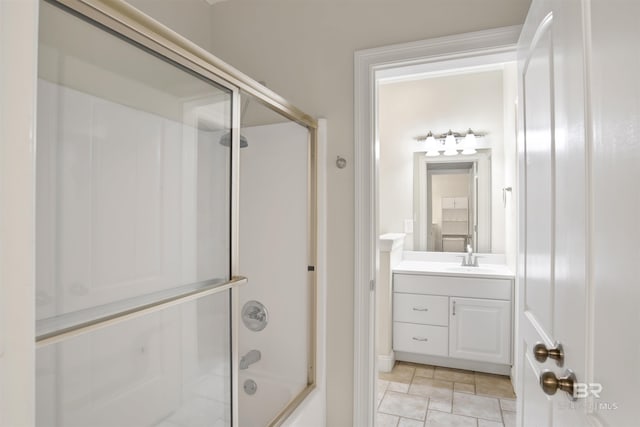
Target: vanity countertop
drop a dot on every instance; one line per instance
(496, 271)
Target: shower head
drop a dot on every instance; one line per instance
(225, 140)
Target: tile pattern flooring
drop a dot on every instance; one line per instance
(414, 395)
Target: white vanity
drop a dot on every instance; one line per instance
(448, 315)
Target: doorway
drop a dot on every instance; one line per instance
(480, 49)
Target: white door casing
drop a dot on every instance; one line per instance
(18, 56)
(471, 49)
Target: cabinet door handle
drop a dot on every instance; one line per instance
(420, 309)
(420, 339)
(454, 308)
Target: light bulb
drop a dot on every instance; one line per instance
(450, 144)
(430, 138)
(470, 138)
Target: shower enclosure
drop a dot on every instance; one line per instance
(161, 211)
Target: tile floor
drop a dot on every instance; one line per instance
(414, 395)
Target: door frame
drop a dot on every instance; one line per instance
(18, 55)
(437, 54)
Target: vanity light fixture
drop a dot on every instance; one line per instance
(450, 143)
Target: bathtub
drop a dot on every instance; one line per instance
(271, 396)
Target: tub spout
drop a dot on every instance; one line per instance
(250, 358)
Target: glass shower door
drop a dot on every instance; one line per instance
(133, 230)
(276, 337)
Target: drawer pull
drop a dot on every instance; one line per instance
(420, 339)
(420, 309)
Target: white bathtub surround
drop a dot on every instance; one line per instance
(273, 255)
(129, 203)
(271, 395)
(390, 245)
(312, 412)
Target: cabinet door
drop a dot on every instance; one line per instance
(480, 329)
(461, 203)
(448, 203)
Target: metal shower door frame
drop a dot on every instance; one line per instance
(137, 28)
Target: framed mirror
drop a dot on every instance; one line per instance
(452, 206)
(413, 108)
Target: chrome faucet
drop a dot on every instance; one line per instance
(250, 358)
(469, 260)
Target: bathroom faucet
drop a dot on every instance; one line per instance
(249, 359)
(469, 260)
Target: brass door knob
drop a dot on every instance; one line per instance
(541, 353)
(550, 383)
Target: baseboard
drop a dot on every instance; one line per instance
(385, 363)
(448, 362)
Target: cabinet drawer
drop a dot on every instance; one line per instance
(424, 309)
(421, 339)
(471, 287)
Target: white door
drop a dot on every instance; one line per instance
(579, 152)
(553, 253)
(480, 329)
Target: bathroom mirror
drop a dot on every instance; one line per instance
(411, 107)
(451, 203)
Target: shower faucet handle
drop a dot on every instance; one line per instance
(256, 314)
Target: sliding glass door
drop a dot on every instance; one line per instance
(133, 230)
(276, 253)
(149, 203)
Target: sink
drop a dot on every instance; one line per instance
(463, 269)
(452, 268)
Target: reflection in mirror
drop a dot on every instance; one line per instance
(458, 100)
(451, 203)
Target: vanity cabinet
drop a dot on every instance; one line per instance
(455, 203)
(453, 318)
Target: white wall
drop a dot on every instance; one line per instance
(18, 74)
(411, 108)
(304, 51)
(190, 18)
